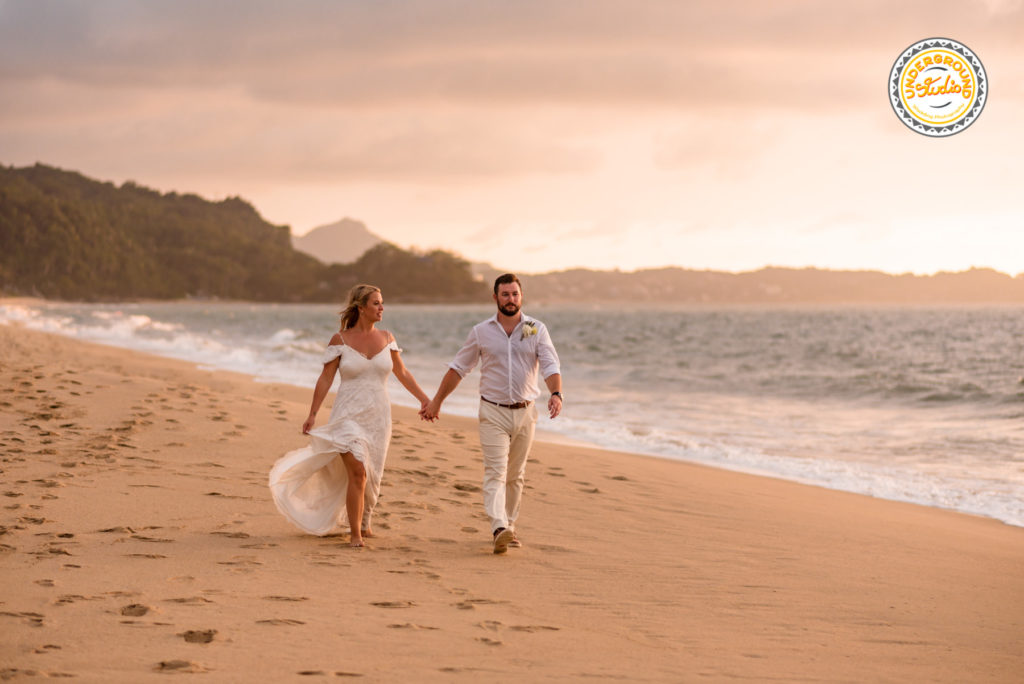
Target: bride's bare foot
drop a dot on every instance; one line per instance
(356, 543)
(367, 533)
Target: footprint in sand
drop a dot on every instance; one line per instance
(228, 496)
(232, 535)
(52, 549)
(189, 600)
(471, 604)
(73, 598)
(409, 625)
(198, 636)
(32, 619)
(393, 604)
(179, 666)
(241, 563)
(286, 598)
(152, 540)
(135, 610)
(280, 622)
(329, 559)
(48, 648)
(11, 672)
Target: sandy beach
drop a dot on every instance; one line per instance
(138, 539)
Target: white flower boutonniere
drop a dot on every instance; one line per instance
(529, 330)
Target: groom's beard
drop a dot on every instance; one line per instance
(509, 309)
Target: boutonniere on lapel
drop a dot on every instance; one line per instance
(529, 330)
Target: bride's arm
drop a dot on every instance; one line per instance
(323, 386)
(405, 377)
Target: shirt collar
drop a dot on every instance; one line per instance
(524, 319)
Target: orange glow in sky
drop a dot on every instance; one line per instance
(539, 135)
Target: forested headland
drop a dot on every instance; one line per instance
(66, 236)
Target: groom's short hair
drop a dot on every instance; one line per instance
(505, 279)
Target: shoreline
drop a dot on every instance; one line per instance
(138, 538)
(828, 473)
(540, 302)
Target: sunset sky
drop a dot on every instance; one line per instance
(539, 135)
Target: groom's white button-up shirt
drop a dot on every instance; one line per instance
(508, 363)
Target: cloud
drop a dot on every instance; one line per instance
(791, 54)
(177, 133)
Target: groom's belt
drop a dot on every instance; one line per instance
(517, 405)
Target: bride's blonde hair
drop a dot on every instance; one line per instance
(357, 297)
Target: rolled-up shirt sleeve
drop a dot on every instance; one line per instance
(546, 354)
(467, 357)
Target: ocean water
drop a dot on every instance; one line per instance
(924, 405)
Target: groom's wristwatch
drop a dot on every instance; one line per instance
(558, 394)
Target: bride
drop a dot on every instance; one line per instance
(337, 477)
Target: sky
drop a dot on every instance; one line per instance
(539, 135)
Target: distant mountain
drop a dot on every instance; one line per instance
(66, 236)
(774, 285)
(337, 243)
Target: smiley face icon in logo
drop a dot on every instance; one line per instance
(938, 87)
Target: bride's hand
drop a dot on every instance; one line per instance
(308, 425)
(424, 413)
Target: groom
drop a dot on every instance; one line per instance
(511, 349)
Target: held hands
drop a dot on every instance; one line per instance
(430, 410)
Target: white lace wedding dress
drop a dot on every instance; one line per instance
(309, 484)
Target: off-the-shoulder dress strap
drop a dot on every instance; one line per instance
(333, 351)
(391, 343)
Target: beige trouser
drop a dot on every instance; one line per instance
(505, 439)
